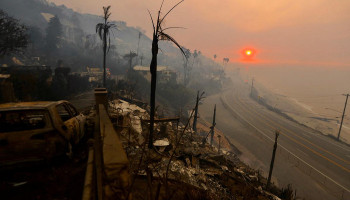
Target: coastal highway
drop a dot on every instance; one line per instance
(317, 166)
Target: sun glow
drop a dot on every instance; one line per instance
(248, 54)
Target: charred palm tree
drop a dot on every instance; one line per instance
(186, 66)
(104, 30)
(158, 34)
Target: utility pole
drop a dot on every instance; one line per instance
(212, 128)
(272, 159)
(342, 118)
(251, 88)
(141, 58)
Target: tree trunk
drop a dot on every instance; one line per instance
(185, 73)
(104, 56)
(153, 69)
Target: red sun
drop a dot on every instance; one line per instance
(248, 53)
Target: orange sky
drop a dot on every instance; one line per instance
(298, 32)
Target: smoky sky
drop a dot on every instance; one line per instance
(303, 33)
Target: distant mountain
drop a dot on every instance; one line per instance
(79, 30)
(37, 13)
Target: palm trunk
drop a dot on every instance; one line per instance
(104, 56)
(153, 69)
(185, 73)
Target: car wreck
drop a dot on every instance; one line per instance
(33, 131)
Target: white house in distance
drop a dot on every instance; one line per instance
(164, 74)
(95, 74)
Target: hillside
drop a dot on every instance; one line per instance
(79, 27)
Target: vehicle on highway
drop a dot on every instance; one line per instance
(32, 131)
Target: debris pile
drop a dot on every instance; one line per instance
(180, 157)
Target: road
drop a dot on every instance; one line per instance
(317, 166)
(83, 101)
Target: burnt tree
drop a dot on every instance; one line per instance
(158, 34)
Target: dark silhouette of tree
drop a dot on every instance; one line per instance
(103, 30)
(186, 66)
(53, 34)
(13, 36)
(158, 34)
(195, 55)
(215, 56)
(225, 60)
(129, 57)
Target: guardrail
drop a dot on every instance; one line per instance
(107, 172)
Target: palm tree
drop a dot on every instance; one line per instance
(158, 34)
(186, 66)
(138, 46)
(225, 60)
(103, 30)
(130, 56)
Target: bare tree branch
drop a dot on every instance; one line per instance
(170, 11)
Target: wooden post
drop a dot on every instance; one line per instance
(212, 128)
(272, 159)
(196, 114)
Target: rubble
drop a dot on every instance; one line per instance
(161, 143)
(130, 113)
(180, 156)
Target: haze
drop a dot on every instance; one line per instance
(246, 99)
(304, 33)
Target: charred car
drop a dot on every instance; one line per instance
(31, 131)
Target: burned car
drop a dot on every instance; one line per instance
(31, 131)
